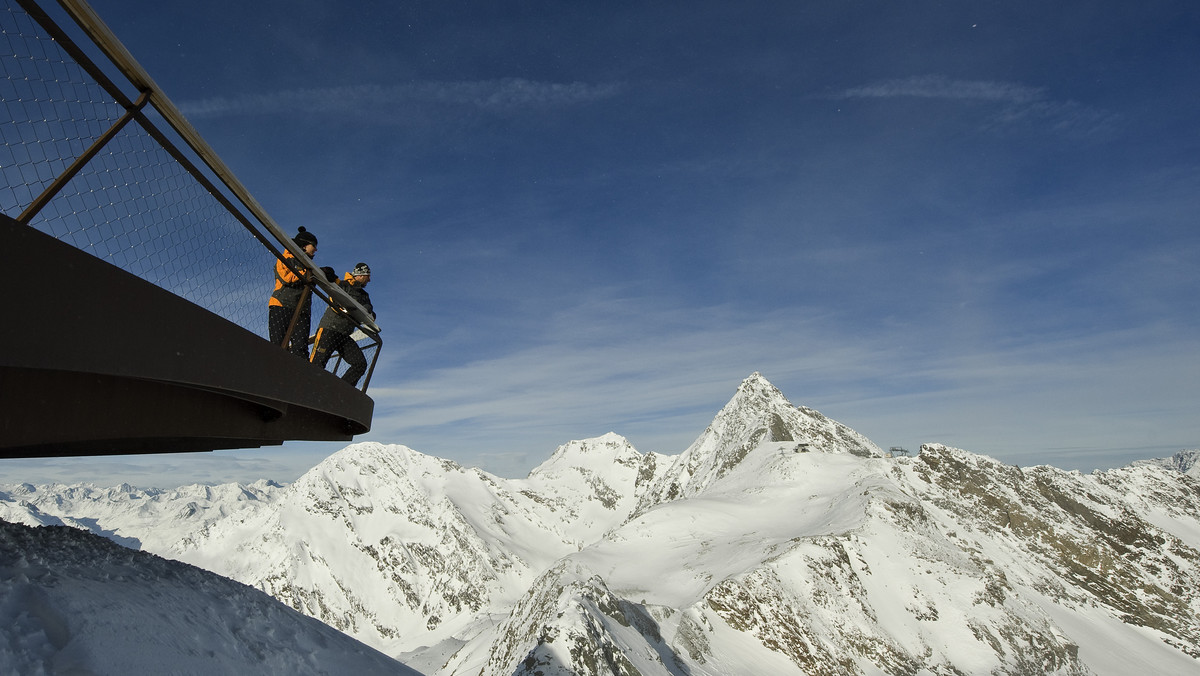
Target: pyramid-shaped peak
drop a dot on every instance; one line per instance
(758, 417)
(757, 387)
(760, 408)
(756, 378)
(756, 401)
(755, 413)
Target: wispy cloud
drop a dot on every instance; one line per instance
(939, 87)
(1021, 103)
(501, 95)
(1062, 116)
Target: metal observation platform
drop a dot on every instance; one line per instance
(140, 322)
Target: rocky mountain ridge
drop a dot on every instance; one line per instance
(1187, 462)
(779, 542)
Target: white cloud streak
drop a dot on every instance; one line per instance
(501, 95)
(1021, 103)
(939, 87)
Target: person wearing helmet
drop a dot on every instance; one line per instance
(333, 333)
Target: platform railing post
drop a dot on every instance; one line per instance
(374, 359)
(287, 337)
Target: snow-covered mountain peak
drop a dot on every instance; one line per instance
(595, 454)
(780, 542)
(397, 458)
(756, 386)
(758, 418)
(758, 411)
(365, 471)
(598, 481)
(1187, 462)
(755, 401)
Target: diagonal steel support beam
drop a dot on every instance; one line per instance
(64, 178)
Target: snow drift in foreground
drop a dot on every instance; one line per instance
(75, 603)
(780, 542)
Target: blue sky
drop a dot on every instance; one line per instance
(964, 223)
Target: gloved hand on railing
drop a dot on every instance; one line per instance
(330, 274)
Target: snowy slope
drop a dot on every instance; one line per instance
(75, 603)
(390, 545)
(780, 542)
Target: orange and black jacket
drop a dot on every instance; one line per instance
(333, 320)
(288, 285)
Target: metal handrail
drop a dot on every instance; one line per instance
(107, 42)
(149, 93)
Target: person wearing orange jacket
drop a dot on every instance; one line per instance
(289, 290)
(333, 334)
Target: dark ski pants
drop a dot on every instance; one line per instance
(330, 341)
(278, 318)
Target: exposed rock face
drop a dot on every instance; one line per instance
(1092, 536)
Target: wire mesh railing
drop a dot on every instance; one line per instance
(117, 172)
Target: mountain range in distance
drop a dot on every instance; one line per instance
(779, 542)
